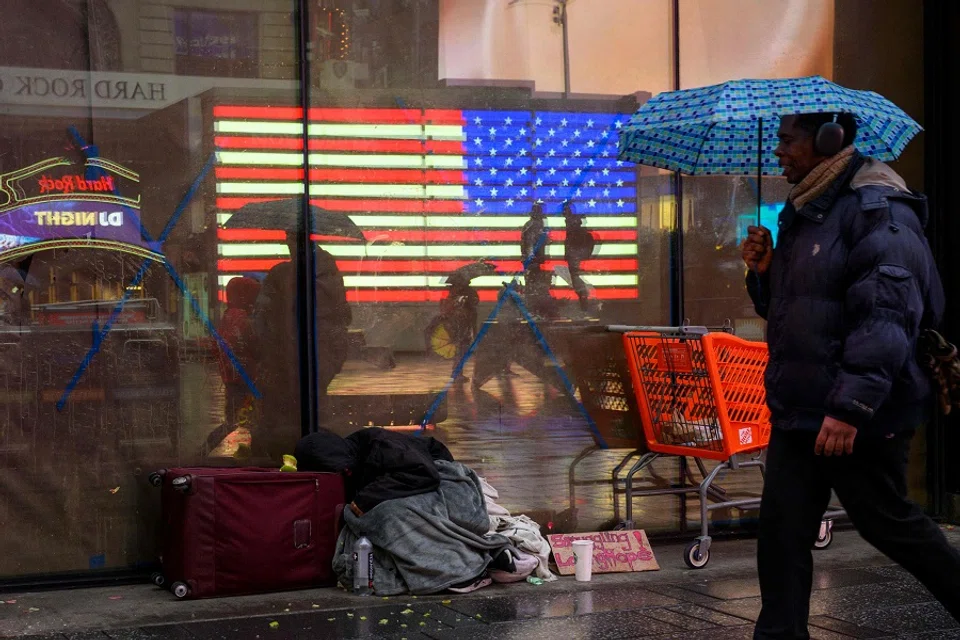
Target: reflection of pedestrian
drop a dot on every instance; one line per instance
(275, 321)
(459, 313)
(845, 293)
(536, 281)
(236, 329)
(578, 247)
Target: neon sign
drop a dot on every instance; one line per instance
(56, 204)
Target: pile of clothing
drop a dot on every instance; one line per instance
(425, 514)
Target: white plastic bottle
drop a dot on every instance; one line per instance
(363, 567)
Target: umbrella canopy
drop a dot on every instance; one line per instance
(473, 270)
(731, 128)
(285, 214)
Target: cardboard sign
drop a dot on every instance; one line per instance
(613, 551)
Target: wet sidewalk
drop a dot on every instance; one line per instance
(858, 594)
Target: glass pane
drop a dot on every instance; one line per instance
(124, 353)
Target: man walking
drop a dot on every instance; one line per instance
(845, 294)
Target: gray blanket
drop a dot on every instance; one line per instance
(424, 543)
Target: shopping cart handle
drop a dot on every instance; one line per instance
(626, 328)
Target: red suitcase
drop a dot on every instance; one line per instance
(233, 531)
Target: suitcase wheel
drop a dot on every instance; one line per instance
(158, 579)
(180, 589)
(155, 478)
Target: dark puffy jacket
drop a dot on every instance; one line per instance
(379, 464)
(851, 284)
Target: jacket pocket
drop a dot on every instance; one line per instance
(894, 285)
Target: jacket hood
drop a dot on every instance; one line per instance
(876, 173)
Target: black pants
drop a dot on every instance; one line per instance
(871, 484)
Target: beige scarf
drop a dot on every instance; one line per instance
(822, 176)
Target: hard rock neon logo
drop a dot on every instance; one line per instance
(71, 184)
(55, 203)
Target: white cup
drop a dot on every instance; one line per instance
(583, 552)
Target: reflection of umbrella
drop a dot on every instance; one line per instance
(729, 129)
(285, 214)
(441, 343)
(470, 271)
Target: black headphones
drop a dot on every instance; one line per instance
(829, 139)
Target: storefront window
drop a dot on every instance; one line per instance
(454, 185)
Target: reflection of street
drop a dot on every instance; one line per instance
(518, 432)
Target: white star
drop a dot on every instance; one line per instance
(592, 202)
(509, 182)
(523, 152)
(590, 162)
(553, 192)
(619, 163)
(589, 123)
(576, 133)
(565, 162)
(619, 183)
(563, 122)
(591, 183)
(476, 120)
(539, 161)
(509, 162)
(565, 183)
(478, 162)
(478, 201)
(508, 121)
(538, 142)
(539, 121)
(605, 134)
(494, 192)
(509, 142)
(578, 192)
(510, 202)
(620, 203)
(478, 182)
(523, 131)
(493, 172)
(578, 171)
(605, 153)
(539, 182)
(606, 172)
(576, 154)
(478, 142)
(552, 152)
(553, 171)
(564, 143)
(590, 143)
(523, 193)
(523, 171)
(493, 152)
(606, 193)
(493, 131)
(551, 132)
(618, 124)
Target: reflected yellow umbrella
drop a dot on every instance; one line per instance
(441, 343)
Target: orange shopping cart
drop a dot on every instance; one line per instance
(701, 395)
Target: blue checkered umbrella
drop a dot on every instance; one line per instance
(731, 128)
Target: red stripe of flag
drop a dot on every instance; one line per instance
(360, 206)
(365, 115)
(340, 176)
(418, 267)
(439, 147)
(416, 235)
(486, 295)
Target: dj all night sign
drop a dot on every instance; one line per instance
(57, 203)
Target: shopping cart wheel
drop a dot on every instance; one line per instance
(825, 537)
(695, 558)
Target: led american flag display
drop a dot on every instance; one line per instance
(432, 190)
